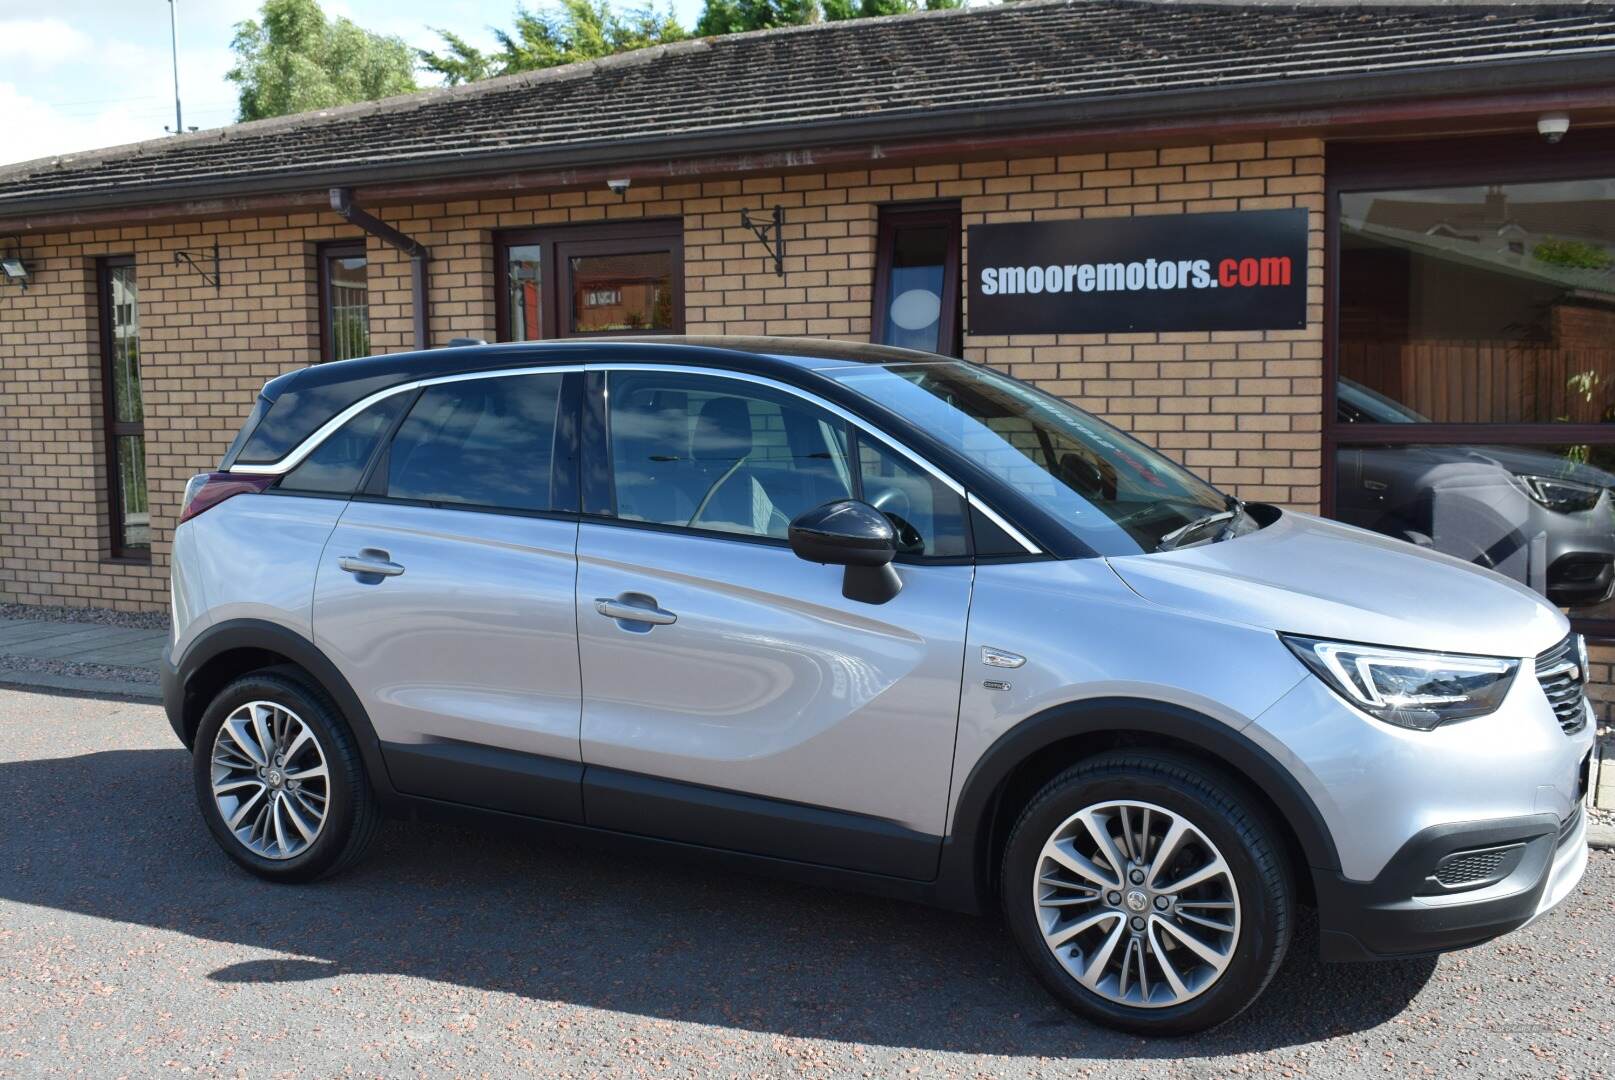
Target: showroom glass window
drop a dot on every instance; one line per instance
(1474, 362)
(591, 280)
(917, 278)
(123, 410)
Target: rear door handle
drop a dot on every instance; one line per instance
(370, 561)
(626, 611)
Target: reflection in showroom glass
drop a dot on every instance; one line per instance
(1542, 515)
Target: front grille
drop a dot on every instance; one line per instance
(1473, 866)
(1559, 670)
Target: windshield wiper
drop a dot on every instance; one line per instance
(1229, 519)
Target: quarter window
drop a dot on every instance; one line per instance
(344, 301)
(487, 443)
(338, 463)
(123, 410)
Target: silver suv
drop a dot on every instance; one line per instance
(875, 618)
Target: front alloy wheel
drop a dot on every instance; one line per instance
(1148, 891)
(1136, 903)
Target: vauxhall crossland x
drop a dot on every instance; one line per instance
(872, 617)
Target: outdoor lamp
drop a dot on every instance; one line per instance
(13, 266)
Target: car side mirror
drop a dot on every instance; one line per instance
(855, 535)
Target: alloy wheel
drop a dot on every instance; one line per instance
(270, 781)
(1136, 903)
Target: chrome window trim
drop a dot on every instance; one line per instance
(325, 430)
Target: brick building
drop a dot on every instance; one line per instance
(1458, 290)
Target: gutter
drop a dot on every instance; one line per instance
(1583, 81)
(419, 255)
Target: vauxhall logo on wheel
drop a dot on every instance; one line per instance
(1238, 271)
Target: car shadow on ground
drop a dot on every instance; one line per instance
(116, 835)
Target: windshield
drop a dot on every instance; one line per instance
(1118, 496)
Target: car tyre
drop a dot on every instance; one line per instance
(301, 814)
(1248, 894)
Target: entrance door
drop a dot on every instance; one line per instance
(732, 696)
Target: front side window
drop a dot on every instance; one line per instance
(479, 443)
(574, 281)
(722, 455)
(123, 410)
(345, 301)
(1117, 495)
(1475, 377)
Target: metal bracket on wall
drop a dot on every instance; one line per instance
(189, 258)
(763, 229)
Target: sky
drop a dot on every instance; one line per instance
(82, 74)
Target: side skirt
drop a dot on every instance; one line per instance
(613, 801)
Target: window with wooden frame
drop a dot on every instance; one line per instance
(916, 302)
(590, 280)
(123, 411)
(344, 300)
(1469, 389)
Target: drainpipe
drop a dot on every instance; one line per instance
(342, 203)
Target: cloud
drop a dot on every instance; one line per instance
(41, 44)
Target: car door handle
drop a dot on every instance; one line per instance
(631, 612)
(370, 561)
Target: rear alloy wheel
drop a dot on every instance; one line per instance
(1148, 893)
(270, 781)
(279, 779)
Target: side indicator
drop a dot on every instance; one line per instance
(999, 658)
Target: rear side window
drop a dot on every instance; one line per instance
(338, 463)
(486, 443)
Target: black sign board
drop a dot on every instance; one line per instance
(1237, 271)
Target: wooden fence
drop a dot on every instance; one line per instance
(1465, 382)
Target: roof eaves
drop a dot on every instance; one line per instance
(1289, 95)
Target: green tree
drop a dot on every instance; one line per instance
(579, 30)
(734, 16)
(295, 59)
(838, 10)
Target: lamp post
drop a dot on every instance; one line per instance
(173, 42)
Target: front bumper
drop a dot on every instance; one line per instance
(1534, 864)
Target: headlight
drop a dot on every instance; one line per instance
(1407, 687)
(1565, 496)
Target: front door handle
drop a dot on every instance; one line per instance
(370, 561)
(634, 608)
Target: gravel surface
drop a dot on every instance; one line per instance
(138, 620)
(74, 669)
(130, 945)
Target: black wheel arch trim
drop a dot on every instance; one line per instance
(184, 712)
(967, 864)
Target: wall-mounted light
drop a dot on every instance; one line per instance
(11, 263)
(619, 187)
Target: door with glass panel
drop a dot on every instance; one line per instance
(725, 675)
(586, 280)
(445, 595)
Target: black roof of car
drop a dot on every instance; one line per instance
(295, 405)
